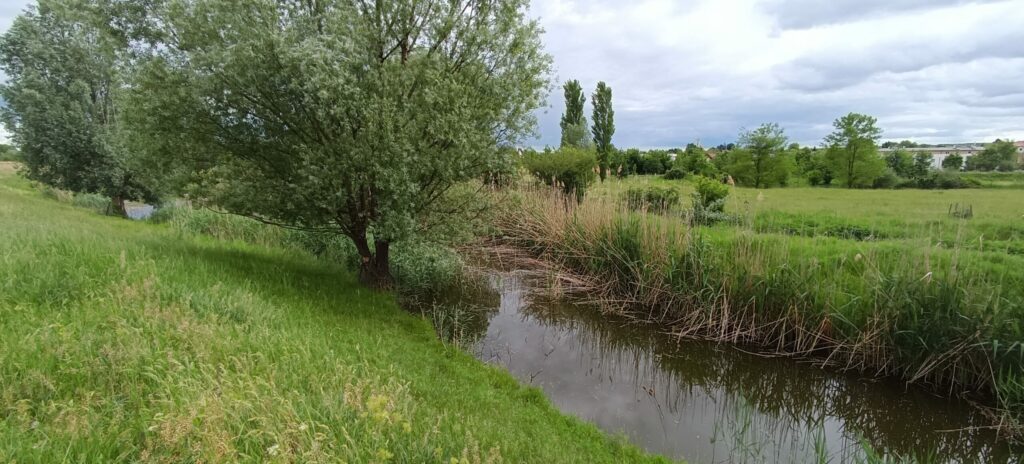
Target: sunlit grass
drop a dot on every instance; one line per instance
(124, 341)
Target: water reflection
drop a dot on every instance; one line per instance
(711, 403)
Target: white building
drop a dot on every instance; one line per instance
(940, 153)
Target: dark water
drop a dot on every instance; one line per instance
(710, 403)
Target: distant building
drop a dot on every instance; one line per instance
(941, 152)
(1020, 152)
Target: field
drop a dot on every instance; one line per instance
(923, 285)
(127, 342)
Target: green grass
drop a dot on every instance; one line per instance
(124, 341)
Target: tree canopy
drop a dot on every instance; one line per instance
(853, 150)
(63, 100)
(341, 116)
(761, 161)
(1000, 155)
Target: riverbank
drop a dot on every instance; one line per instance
(125, 341)
(944, 314)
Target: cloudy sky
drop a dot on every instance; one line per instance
(701, 70)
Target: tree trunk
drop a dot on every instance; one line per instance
(374, 265)
(117, 206)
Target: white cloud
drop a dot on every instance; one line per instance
(934, 71)
(688, 70)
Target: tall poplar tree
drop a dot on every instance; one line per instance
(574, 124)
(604, 126)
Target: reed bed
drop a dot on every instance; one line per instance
(942, 315)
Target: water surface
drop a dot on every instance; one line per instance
(711, 403)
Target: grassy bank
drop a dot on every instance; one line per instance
(126, 341)
(919, 294)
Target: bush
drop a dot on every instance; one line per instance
(940, 180)
(654, 199)
(569, 169)
(887, 181)
(675, 174)
(709, 200)
(9, 153)
(710, 193)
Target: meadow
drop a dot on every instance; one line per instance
(128, 341)
(898, 283)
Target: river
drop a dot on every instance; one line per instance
(711, 403)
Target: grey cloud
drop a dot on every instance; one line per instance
(836, 69)
(803, 14)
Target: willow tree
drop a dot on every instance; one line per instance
(63, 62)
(353, 117)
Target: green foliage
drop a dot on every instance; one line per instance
(709, 195)
(62, 100)
(604, 126)
(693, 161)
(853, 152)
(923, 162)
(675, 174)
(574, 123)
(655, 162)
(900, 162)
(357, 118)
(1000, 155)
(569, 169)
(813, 164)
(954, 162)
(9, 153)
(762, 160)
(653, 199)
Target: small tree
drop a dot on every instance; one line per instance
(900, 162)
(853, 150)
(923, 162)
(337, 116)
(1000, 155)
(954, 162)
(604, 126)
(761, 162)
(574, 124)
(570, 169)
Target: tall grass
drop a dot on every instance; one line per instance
(422, 270)
(126, 341)
(947, 315)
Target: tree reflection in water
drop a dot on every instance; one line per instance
(707, 402)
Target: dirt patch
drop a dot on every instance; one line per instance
(9, 167)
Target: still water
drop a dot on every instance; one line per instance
(711, 403)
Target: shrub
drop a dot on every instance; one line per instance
(675, 174)
(887, 181)
(709, 200)
(654, 199)
(710, 194)
(570, 169)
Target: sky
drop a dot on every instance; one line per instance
(933, 71)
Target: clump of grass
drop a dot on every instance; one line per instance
(654, 199)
